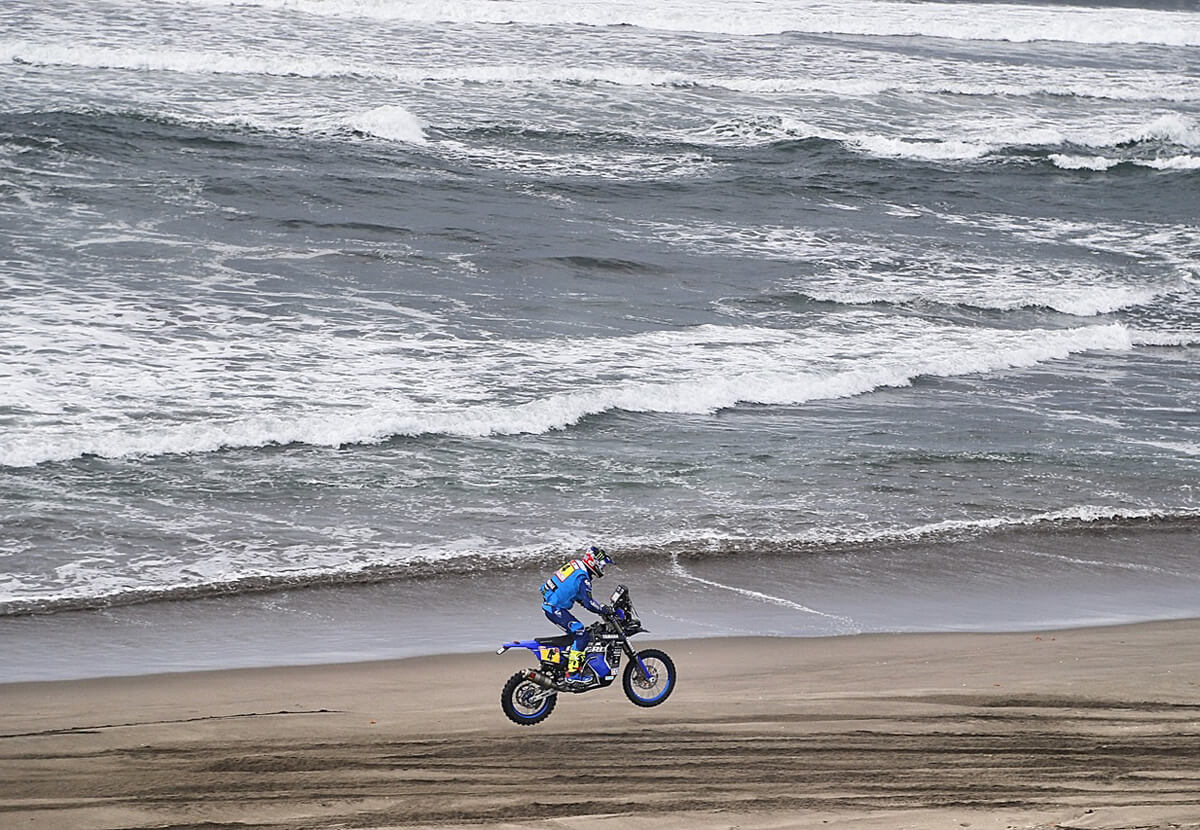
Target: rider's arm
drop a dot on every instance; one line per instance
(585, 597)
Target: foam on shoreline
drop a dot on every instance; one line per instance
(1016, 581)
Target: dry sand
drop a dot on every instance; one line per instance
(1088, 728)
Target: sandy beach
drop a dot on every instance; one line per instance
(1084, 728)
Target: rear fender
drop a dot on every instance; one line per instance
(529, 645)
(548, 655)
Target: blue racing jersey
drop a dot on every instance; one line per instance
(568, 585)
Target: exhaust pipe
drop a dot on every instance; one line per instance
(540, 679)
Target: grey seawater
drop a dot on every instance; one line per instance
(405, 310)
(1041, 579)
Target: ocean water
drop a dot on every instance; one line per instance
(821, 317)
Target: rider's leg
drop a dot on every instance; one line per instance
(576, 668)
(564, 619)
(567, 622)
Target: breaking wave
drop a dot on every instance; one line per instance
(1170, 130)
(1134, 86)
(999, 22)
(704, 370)
(223, 576)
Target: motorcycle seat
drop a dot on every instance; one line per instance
(561, 641)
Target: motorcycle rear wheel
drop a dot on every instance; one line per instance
(517, 704)
(657, 687)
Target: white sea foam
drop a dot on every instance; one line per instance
(1166, 338)
(907, 78)
(766, 129)
(998, 21)
(1086, 513)
(967, 142)
(1191, 448)
(1172, 163)
(1078, 300)
(828, 535)
(1098, 563)
(944, 80)
(392, 122)
(626, 166)
(860, 269)
(1102, 163)
(699, 370)
(93, 578)
(941, 141)
(847, 625)
(203, 62)
(1175, 246)
(1174, 127)
(1068, 162)
(927, 149)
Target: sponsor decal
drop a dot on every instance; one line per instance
(550, 655)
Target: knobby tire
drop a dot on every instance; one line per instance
(508, 702)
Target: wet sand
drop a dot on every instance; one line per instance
(1083, 728)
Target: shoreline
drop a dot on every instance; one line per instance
(1006, 582)
(1080, 727)
(468, 651)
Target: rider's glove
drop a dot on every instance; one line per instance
(606, 610)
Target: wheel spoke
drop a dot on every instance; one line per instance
(654, 670)
(528, 700)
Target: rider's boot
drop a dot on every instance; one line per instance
(575, 667)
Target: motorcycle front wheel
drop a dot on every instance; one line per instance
(656, 685)
(525, 702)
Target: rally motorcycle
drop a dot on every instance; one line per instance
(529, 695)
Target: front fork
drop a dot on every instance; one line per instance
(635, 658)
(642, 672)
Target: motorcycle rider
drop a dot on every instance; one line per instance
(568, 585)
